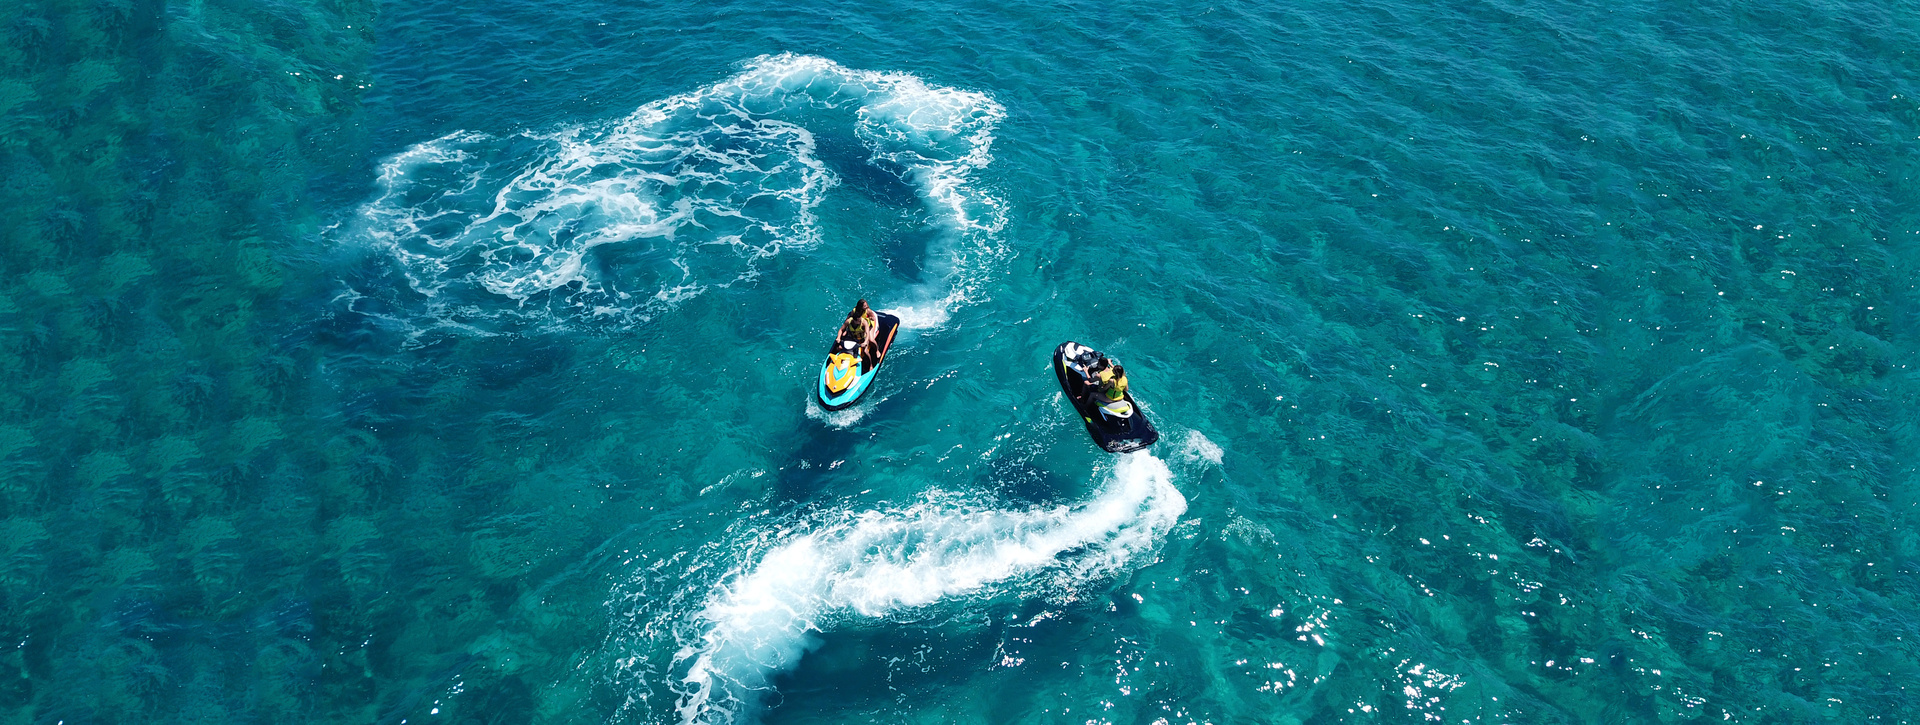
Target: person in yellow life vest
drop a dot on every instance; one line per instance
(1113, 384)
(862, 329)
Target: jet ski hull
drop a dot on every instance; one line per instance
(889, 325)
(1130, 434)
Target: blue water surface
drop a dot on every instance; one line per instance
(1513, 362)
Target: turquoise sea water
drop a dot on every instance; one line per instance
(1514, 362)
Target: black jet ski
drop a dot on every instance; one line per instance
(1118, 426)
(848, 374)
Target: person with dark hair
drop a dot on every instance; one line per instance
(1113, 384)
(1106, 382)
(861, 332)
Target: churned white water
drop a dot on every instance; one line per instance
(625, 219)
(848, 567)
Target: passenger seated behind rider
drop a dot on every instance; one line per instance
(862, 328)
(1112, 385)
(1106, 382)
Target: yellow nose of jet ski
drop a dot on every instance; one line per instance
(841, 371)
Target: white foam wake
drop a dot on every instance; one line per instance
(879, 564)
(845, 417)
(625, 219)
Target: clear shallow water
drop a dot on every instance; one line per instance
(1514, 363)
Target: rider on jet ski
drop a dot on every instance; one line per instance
(1113, 383)
(861, 332)
(1107, 389)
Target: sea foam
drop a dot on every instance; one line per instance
(795, 581)
(623, 220)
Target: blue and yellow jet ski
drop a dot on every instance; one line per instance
(848, 373)
(1117, 426)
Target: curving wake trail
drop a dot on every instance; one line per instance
(623, 220)
(873, 565)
